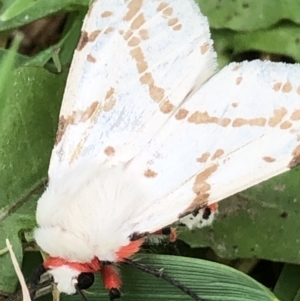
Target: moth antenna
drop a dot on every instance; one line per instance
(161, 274)
(80, 293)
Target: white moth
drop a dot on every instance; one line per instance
(147, 134)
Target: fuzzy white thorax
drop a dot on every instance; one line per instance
(88, 212)
(65, 279)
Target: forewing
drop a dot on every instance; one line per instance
(240, 128)
(135, 63)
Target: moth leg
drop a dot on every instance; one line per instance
(111, 280)
(167, 231)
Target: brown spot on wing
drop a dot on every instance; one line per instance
(93, 36)
(234, 104)
(134, 6)
(181, 114)
(238, 80)
(269, 159)
(238, 122)
(150, 173)
(144, 34)
(177, 27)
(200, 185)
(204, 47)
(203, 158)
(109, 151)
(298, 90)
(277, 86)
(201, 188)
(128, 34)
(236, 67)
(138, 56)
(168, 11)
(295, 115)
(172, 22)
(217, 154)
(62, 126)
(166, 107)
(89, 111)
(287, 87)
(110, 93)
(134, 41)
(286, 125)
(203, 117)
(138, 22)
(110, 101)
(75, 118)
(84, 39)
(296, 157)
(162, 6)
(277, 117)
(91, 59)
(156, 93)
(108, 30)
(106, 14)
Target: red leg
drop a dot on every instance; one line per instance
(112, 280)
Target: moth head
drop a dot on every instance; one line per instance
(69, 280)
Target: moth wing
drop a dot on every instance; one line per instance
(135, 63)
(240, 128)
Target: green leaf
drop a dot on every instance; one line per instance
(288, 285)
(64, 49)
(6, 65)
(28, 122)
(33, 11)
(211, 281)
(281, 40)
(17, 7)
(249, 15)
